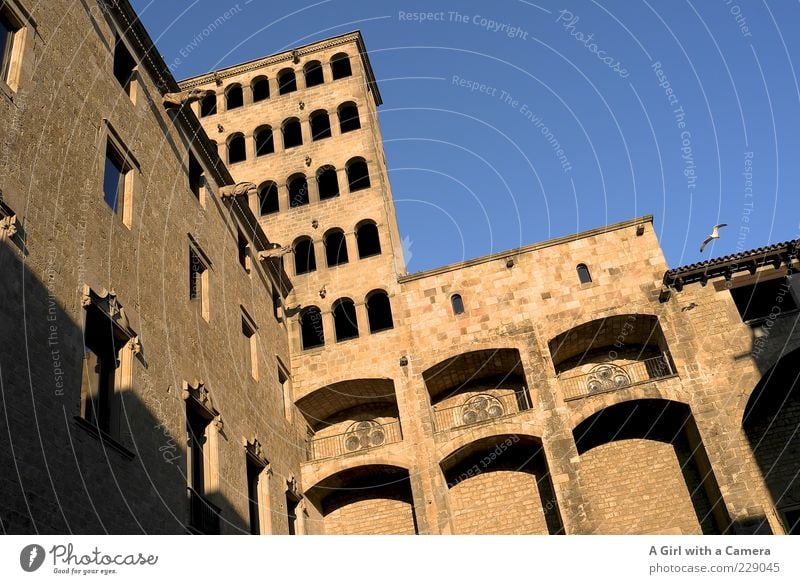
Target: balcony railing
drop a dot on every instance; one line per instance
(609, 377)
(480, 408)
(203, 515)
(359, 436)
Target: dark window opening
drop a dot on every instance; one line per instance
(457, 303)
(305, 260)
(344, 320)
(327, 183)
(313, 72)
(583, 274)
(791, 519)
(358, 176)
(265, 143)
(369, 243)
(260, 88)
(348, 118)
(379, 312)
(298, 191)
(114, 178)
(196, 425)
(320, 125)
(8, 31)
(124, 66)
(196, 178)
(234, 97)
(335, 248)
(208, 106)
(764, 299)
(276, 303)
(268, 201)
(291, 512)
(287, 82)
(197, 271)
(311, 332)
(254, 469)
(101, 354)
(292, 133)
(236, 149)
(243, 250)
(340, 66)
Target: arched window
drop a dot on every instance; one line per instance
(320, 125)
(327, 183)
(260, 89)
(292, 134)
(304, 259)
(287, 82)
(311, 331)
(340, 66)
(357, 174)
(348, 118)
(234, 97)
(208, 106)
(458, 304)
(335, 248)
(236, 149)
(344, 320)
(313, 73)
(298, 191)
(268, 202)
(369, 244)
(379, 311)
(583, 274)
(265, 143)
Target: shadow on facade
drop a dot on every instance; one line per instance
(59, 474)
(670, 423)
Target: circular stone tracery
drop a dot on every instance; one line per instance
(481, 407)
(362, 435)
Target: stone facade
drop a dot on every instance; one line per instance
(568, 386)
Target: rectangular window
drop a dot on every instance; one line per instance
(764, 299)
(8, 31)
(15, 27)
(125, 69)
(791, 520)
(243, 250)
(197, 182)
(198, 279)
(285, 384)
(113, 178)
(291, 512)
(250, 345)
(119, 177)
(254, 470)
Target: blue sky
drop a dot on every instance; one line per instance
(511, 122)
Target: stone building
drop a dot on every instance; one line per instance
(207, 325)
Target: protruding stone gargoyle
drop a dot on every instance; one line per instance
(237, 190)
(275, 252)
(182, 98)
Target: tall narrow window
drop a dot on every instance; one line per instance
(379, 311)
(291, 512)
(243, 249)
(268, 201)
(208, 106)
(340, 66)
(260, 88)
(124, 67)
(197, 181)
(265, 143)
(250, 345)
(335, 248)
(118, 181)
(203, 515)
(458, 304)
(102, 346)
(304, 259)
(348, 118)
(327, 183)
(254, 470)
(367, 239)
(237, 151)
(311, 331)
(344, 320)
(583, 274)
(10, 45)
(292, 133)
(285, 383)
(198, 279)
(287, 82)
(357, 175)
(298, 191)
(313, 74)
(320, 125)
(234, 97)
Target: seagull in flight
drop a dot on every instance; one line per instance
(714, 235)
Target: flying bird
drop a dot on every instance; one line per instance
(714, 235)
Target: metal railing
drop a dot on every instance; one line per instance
(480, 408)
(609, 377)
(203, 514)
(359, 436)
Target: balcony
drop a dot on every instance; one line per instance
(606, 377)
(360, 436)
(480, 408)
(203, 515)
